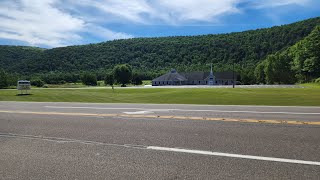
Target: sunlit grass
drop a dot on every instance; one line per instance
(223, 96)
(311, 85)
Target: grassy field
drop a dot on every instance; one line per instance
(311, 85)
(226, 96)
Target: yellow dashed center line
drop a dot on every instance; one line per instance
(169, 117)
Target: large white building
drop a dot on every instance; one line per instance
(195, 78)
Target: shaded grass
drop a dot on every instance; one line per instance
(222, 96)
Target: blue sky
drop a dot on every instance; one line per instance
(55, 23)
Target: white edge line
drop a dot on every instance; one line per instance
(182, 110)
(252, 112)
(157, 148)
(101, 108)
(153, 104)
(210, 153)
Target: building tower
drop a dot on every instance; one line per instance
(211, 78)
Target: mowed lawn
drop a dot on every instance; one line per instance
(222, 96)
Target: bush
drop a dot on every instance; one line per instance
(37, 82)
(317, 80)
(100, 83)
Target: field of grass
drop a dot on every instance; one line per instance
(311, 85)
(66, 85)
(225, 96)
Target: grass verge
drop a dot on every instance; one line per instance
(221, 96)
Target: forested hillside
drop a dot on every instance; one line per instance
(299, 63)
(156, 55)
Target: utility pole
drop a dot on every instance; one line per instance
(233, 74)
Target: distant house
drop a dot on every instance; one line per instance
(195, 78)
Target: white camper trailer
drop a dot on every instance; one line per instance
(24, 85)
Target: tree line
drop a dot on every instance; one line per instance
(151, 57)
(121, 74)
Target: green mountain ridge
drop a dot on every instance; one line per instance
(298, 63)
(157, 55)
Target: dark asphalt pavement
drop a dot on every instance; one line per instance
(48, 146)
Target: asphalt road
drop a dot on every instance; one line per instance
(136, 141)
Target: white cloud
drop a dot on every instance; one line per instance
(276, 3)
(106, 33)
(37, 22)
(173, 11)
(40, 22)
(165, 11)
(200, 10)
(131, 10)
(63, 22)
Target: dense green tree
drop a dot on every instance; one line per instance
(247, 76)
(12, 79)
(137, 78)
(278, 69)
(301, 62)
(123, 74)
(89, 79)
(259, 73)
(306, 56)
(109, 80)
(3, 79)
(284, 70)
(269, 69)
(58, 77)
(37, 82)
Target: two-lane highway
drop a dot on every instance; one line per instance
(143, 141)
